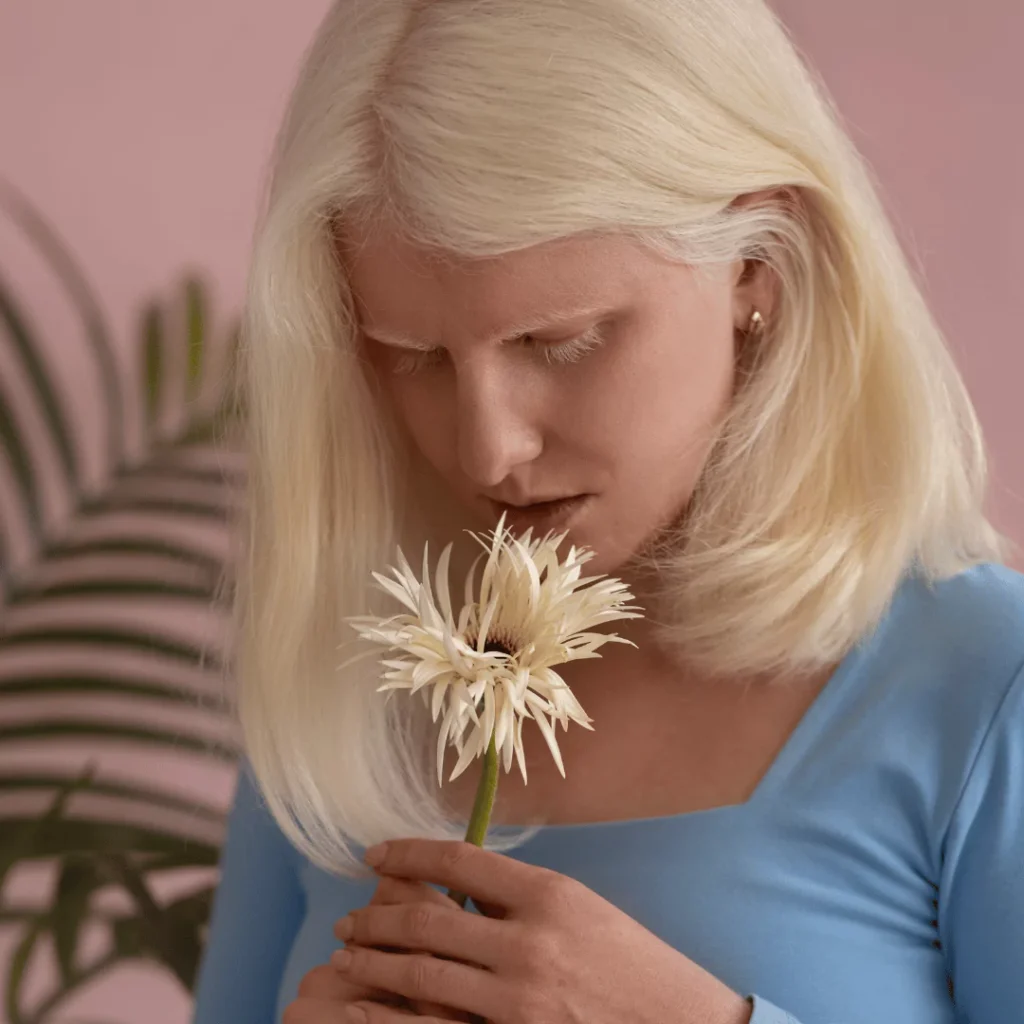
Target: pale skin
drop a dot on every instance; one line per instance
(648, 396)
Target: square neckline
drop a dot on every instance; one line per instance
(769, 783)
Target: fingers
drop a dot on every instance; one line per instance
(487, 876)
(385, 1015)
(398, 891)
(320, 1011)
(431, 928)
(325, 983)
(404, 890)
(423, 978)
(436, 1010)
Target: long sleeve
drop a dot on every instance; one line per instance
(769, 1013)
(981, 896)
(257, 910)
(981, 891)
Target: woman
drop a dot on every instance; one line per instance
(518, 251)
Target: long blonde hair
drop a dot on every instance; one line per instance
(851, 453)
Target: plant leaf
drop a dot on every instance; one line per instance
(195, 319)
(153, 361)
(113, 637)
(152, 533)
(83, 298)
(19, 455)
(172, 937)
(134, 791)
(16, 972)
(78, 880)
(128, 935)
(43, 728)
(88, 836)
(82, 683)
(20, 840)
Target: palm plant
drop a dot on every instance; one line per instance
(112, 633)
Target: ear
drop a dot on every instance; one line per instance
(755, 283)
(756, 287)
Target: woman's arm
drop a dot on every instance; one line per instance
(257, 911)
(981, 891)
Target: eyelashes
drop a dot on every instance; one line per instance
(554, 354)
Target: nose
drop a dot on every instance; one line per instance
(496, 429)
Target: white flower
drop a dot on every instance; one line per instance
(491, 669)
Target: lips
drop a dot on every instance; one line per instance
(544, 515)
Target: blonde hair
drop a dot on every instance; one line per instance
(851, 454)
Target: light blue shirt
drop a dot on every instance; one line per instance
(876, 876)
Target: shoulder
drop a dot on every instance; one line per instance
(935, 679)
(967, 629)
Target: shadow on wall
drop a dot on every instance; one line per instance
(112, 634)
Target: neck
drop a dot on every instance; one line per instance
(649, 670)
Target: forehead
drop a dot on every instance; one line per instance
(399, 286)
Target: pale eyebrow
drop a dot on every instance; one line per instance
(398, 339)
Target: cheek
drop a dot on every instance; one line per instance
(693, 410)
(426, 421)
(661, 406)
(414, 413)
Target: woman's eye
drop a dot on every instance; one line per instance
(412, 362)
(567, 352)
(554, 353)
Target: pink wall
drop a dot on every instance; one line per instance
(142, 129)
(933, 91)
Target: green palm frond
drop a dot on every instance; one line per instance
(112, 624)
(75, 286)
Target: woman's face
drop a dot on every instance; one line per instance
(584, 366)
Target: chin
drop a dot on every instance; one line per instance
(626, 555)
(612, 560)
(612, 554)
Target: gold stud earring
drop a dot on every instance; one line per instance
(756, 327)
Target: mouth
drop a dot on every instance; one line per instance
(544, 515)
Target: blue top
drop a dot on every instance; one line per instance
(876, 876)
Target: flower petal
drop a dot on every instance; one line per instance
(396, 591)
(470, 582)
(441, 581)
(485, 623)
(437, 698)
(520, 754)
(549, 736)
(542, 608)
(468, 756)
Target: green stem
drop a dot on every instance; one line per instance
(482, 808)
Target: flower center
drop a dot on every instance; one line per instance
(499, 646)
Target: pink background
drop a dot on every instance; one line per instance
(142, 130)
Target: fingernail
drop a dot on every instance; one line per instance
(345, 928)
(375, 854)
(355, 1015)
(341, 959)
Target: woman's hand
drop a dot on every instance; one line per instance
(553, 953)
(323, 993)
(322, 997)
(393, 892)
